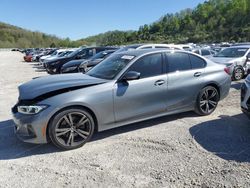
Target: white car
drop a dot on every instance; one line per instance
(204, 52)
(237, 58)
(55, 54)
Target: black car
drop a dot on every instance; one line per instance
(75, 66)
(54, 66)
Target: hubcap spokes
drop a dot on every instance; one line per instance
(238, 74)
(208, 100)
(73, 129)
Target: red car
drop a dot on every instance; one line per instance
(28, 58)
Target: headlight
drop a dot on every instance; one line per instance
(69, 69)
(34, 109)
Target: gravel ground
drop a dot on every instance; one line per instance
(182, 150)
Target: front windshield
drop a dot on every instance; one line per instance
(232, 52)
(62, 54)
(110, 67)
(100, 55)
(74, 53)
(54, 53)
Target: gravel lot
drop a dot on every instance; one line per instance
(182, 150)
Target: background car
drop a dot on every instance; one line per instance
(204, 52)
(125, 88)
(236, 58)
(52, 56)
(148, 46)
(54, 66)
(245, 96)
(84, 65)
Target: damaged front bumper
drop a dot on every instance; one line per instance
(31, 128)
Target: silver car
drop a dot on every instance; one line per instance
(245, 96)
(125, 88)
(237, 58)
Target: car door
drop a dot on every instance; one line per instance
(143, 97)
(185, 79)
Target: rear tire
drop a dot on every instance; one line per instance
(238, 73)
(71, 128)
(207, 101)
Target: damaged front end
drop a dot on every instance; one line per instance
(36, 104)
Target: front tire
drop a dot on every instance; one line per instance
(71, 128)
(207, 101)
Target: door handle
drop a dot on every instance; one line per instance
(159, 82)
(197, 74)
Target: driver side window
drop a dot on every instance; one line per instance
(148, 66)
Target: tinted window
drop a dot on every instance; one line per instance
(178, 62)
(197, 51)
(232, 52)
(205, 52)
(148, 47)
(148, 66)
(110, 67)
(165, 47)
(99, 50)
(196, 62)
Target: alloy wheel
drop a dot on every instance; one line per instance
(73, 129)
(238, 74)
(208, 100)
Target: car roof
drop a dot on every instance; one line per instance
(240, 46)
(147, 51)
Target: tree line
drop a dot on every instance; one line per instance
(211, 21)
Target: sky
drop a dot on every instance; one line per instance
(78, 19)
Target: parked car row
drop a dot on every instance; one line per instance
(56, 61)
(125, 85)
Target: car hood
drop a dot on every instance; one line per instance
(53, 58)
(45, 56)
(73, 63)
(44, 85)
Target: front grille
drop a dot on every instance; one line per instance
(243, 91)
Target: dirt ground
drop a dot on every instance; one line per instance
(182, 150)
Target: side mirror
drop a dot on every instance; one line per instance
(131, 75)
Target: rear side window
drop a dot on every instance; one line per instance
(197, 51)
(164, 47)
(148, 66)
(148, 47)
(205, 52)
(197, 62)
(99, 50)
(178, 62)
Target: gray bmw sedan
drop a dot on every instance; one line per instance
(125, 88)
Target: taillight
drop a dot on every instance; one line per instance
(227, 70)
